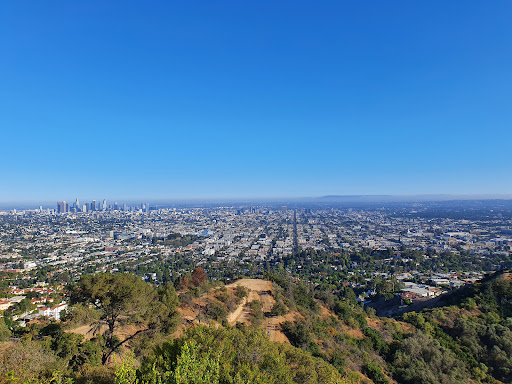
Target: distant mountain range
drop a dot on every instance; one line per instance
(403, 198)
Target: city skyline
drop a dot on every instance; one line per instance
(85, 204)
(254, 101)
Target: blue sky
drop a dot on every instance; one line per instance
(208, 99)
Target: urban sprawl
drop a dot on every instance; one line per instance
(411, 251)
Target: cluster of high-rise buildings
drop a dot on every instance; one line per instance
(63, 207)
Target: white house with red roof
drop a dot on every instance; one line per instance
(53, 312)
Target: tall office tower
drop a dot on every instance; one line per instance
(77, 203)
(84, 208)
(125, 207)
(116, 207)
(66, 207)
(284, 208)
(93, 205)
(104, 207)
(61, 206)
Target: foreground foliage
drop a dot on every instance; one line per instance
(233, 355)
(334, 339)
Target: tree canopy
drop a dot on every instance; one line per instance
(125, 299)
(233, 355)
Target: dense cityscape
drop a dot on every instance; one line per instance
(426, 250)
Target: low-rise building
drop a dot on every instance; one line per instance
(52, 312)
(4, 304)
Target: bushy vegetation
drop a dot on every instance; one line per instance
(233, 355)
(469, 340)
(332, 337)
(5, 332)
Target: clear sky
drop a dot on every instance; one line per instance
(206, 99)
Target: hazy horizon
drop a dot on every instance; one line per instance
(34, 204)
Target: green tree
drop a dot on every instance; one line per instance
(216, 311)
(233, 355)
(126, 297)
(421, 359)
(194, 367)
(278, 309)
(5, 332)
(241, 291)
(257, 311)
(79, 314)
(374, 372)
